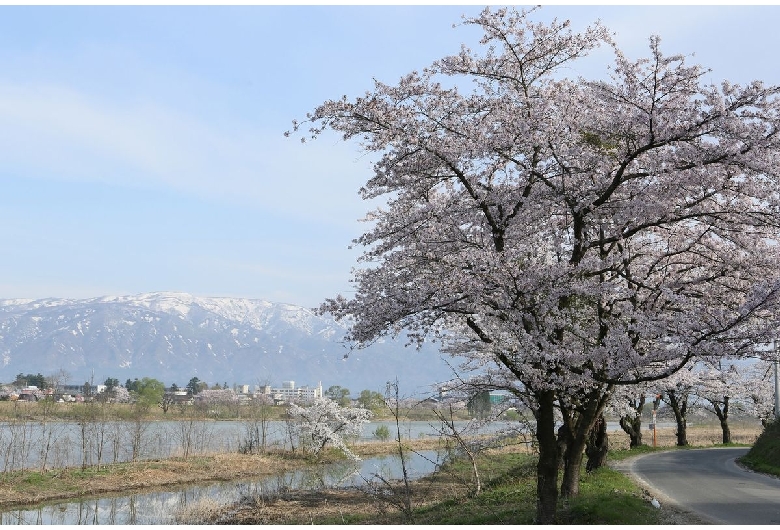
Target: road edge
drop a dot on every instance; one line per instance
(674, 512)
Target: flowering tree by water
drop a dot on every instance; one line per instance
(324, 422)
(567, 235)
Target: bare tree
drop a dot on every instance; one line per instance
(449, 430)
(257, 424)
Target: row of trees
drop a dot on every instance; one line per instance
(568, 237)
(54, 381)
(724, 390)
(368, 399)
(37, 380)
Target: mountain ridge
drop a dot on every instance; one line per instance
(175, 336)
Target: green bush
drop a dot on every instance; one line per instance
(382, 433)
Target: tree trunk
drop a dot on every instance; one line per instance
(547, 468)
(563, 440)
(632, 426)
(572, 462)
(680, 406)
(575, 449)
(724, 425)
(598, 445)
(723, 416)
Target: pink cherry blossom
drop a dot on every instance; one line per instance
(569, 234)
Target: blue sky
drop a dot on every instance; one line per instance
(142, 148)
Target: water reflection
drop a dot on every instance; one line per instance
(53, 445)
(162, 507)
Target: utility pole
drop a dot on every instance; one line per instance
(656, 402)
(776, 362)
(777, 391)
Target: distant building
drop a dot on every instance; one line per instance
(179, 397)
(498, 397)
(79, 389)
(31, 393)
(290, 393)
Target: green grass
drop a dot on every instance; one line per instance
(508, 496)
(608, 497)
(764, 456)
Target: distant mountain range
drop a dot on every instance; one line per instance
(175, 336)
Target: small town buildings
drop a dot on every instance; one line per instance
(289, 393)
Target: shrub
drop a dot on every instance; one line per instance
(382, 433)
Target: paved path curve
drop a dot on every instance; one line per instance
(709, 483)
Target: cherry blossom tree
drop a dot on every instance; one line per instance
(759, 390)
(574, 234)
(324, 422)
(627, 403)
(721, 387)
(679, 392)
(121, 395)
(223, 396)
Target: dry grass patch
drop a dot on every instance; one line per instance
(698, 436)
(24, 488)
(368, 449)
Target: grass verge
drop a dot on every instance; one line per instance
(507, 497)
(764, 456)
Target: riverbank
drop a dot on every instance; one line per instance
(48, 411)
(508, 494)
(29, 488)
(25, 488)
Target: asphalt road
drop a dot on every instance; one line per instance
(709, 483)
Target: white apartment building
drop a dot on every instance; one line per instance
(289, 392)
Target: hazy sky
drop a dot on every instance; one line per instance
(142, 148)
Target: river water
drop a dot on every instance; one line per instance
(52, 445)
(35, 445)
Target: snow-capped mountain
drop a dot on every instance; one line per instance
(174, 336)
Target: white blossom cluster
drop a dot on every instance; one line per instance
(324, 422)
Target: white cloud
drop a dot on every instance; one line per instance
(56, 132)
